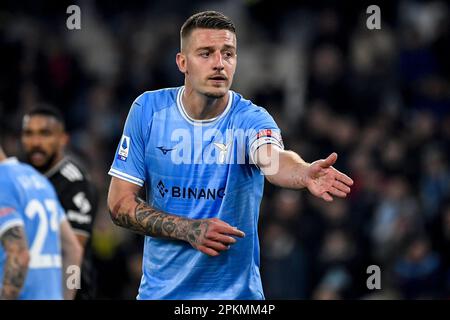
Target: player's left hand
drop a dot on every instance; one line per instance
(324, 181)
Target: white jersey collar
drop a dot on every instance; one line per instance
(196, 122)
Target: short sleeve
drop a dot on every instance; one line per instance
(262, 130)
(128, 163)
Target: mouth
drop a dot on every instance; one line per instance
(218, 78)
(37, 156)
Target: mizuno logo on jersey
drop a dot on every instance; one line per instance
(124, 148)
(165, 150)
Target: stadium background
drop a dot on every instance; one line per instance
(380, 98)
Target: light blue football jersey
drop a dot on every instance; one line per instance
(197, 169)
(28, 199)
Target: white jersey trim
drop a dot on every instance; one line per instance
(126, 177)
(196, 122)
(10, 224)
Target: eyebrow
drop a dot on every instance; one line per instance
(226, 46)
(39, 131)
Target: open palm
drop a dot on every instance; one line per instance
(324, 181)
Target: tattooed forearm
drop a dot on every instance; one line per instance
(13, 278)
(124, 220)
(182, 229)
(16, 264)
(159, 224)
(169, 226)
(140, 217)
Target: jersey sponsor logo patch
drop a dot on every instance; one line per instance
(5, 211)
(162, 188)
(124, 148)
(190, 192)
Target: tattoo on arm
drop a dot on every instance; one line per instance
(16, 266)
(149, 221)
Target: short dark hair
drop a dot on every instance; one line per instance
(207, 20)
(46, 110)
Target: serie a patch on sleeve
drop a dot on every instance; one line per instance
(124, 148)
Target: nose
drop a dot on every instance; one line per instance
(34, 141)
(218, 61)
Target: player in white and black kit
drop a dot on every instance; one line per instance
(44, 140)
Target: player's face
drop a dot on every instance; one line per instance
(43, 140)
(208, 60)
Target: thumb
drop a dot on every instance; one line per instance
(328, 162)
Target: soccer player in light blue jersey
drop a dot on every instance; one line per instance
(37, 242)
(202, 152)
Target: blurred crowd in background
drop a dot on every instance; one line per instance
(379, 98)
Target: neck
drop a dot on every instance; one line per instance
(201, 107)
(56, 160)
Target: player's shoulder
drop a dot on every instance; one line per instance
(17, 175)
(156, 100)
(69, 170)
(245, 109)
(8, 168)
(12, 167)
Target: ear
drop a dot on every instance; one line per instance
(181, 62)
(64, 141)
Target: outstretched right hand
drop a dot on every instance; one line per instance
(213, 235)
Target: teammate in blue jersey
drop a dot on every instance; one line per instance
(36, 240)
(202, 151)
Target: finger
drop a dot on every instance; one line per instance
(208, 251)
(217, 246)
(327, 197)
(220, 222)
(328, 162)
(344, 178)
(223, 239)
(337, 192)
(224, 228)
(233, 231)
(340, 186)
